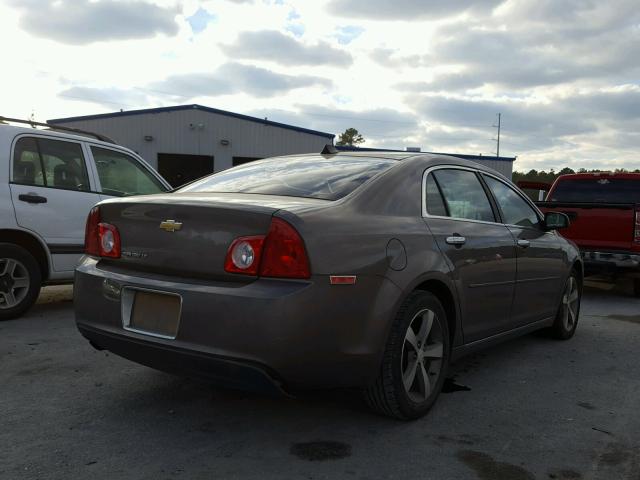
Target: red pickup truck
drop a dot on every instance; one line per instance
(604, 209)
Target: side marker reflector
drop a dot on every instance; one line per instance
(342, 279)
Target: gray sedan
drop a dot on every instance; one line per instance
(371, 271)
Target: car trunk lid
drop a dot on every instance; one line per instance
(189, 234)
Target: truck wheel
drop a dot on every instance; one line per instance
(636, 287)
(415, 360)
(566, 320)
(20, 280)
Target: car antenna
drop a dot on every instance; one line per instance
(329, 150)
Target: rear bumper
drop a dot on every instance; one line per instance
(265, 335)
(221, 371)
(596, 260)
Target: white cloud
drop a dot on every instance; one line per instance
(407, 73)
(80, 22)
(285, 50)
(409, 10)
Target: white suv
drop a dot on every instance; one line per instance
(49, 181)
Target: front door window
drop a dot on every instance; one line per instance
(122, 175)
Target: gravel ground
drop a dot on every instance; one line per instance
(532, 408)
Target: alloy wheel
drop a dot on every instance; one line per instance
(422, 356)
(14, 282)
(570, 304)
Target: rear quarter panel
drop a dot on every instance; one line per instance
(377, 232)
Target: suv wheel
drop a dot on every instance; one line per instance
(415, 360)
(20, 280)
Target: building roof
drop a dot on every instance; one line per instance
(191, 107)
(458, 155)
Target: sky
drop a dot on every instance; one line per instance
(563, 74)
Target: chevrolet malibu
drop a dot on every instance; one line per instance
(371, 271)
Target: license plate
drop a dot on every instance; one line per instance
(152, 313)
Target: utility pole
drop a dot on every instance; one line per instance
(498, 139)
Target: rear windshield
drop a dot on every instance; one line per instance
(597, 190)
(311, 177)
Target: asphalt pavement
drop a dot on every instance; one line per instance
(533, 408)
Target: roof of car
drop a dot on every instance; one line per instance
(8, 131)
(351, 149)
(388, 154)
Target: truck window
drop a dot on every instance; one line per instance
(597, 190)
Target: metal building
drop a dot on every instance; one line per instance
(186, 142)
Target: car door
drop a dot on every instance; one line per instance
(52, 194)
(120, 174)
(541, 263)
(480, 250)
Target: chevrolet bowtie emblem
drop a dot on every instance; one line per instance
(170, 225)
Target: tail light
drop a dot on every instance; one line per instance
(101, 239)
(279, 254)
(243, 255)
(636, 229)
(284, 253)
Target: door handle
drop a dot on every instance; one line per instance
(456, 240)
(523, 243)
(32, 198)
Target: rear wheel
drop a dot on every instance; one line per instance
(415, 360)
(567, 317)
(20, 280)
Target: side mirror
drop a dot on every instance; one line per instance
(556, 220)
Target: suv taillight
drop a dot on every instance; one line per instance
(280, 254)
(101, 239)
(636, 227)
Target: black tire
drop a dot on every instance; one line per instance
(27, 267)
(566, 321)
(388, 395)
(636, 287)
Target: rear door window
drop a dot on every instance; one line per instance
(327, 178)
(27, 165)
(50, 163)
(122, 175)
(464, 195)
(434, 200)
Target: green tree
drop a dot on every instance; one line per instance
(350, 138)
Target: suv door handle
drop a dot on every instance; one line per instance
(456, 240)
(32, 198)
(523, 243)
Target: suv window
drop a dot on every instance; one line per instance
(122, 175)
(515, 210)
(463, 194)
(27, 166)
(50, 163)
